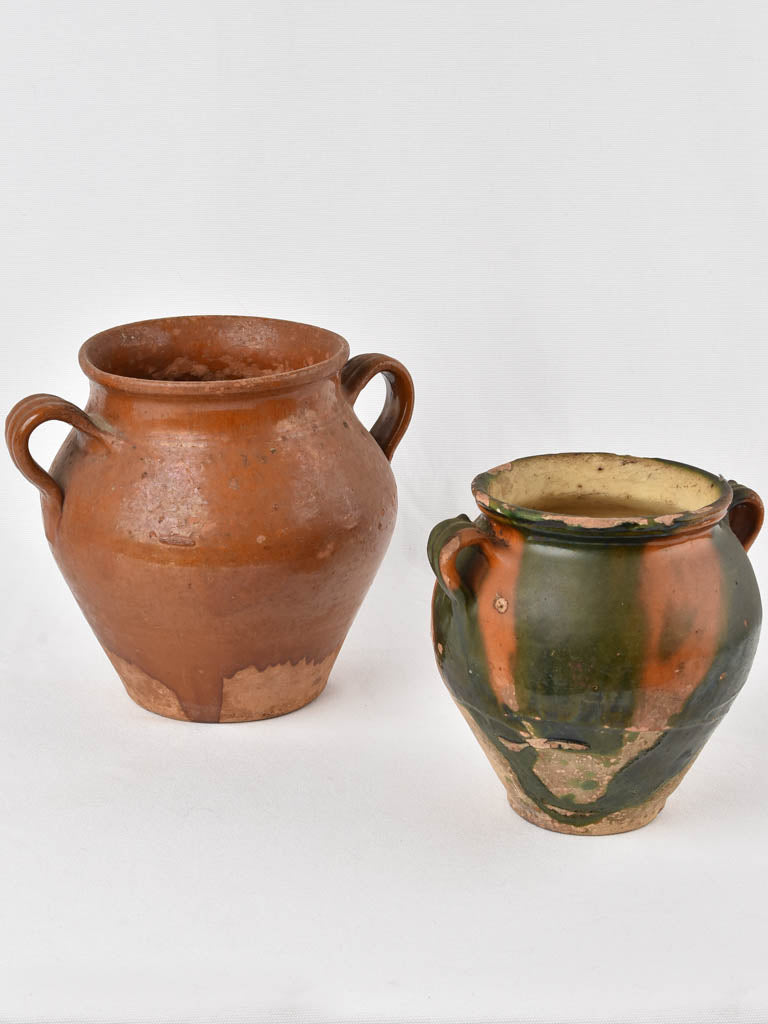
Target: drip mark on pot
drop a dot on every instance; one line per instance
(539, 743)
(563, 745)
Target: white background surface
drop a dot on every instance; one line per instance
(556, 215)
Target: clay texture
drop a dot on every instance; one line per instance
(593, 650)
(218, 510)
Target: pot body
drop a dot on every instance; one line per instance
(592, 673)
(220, 544)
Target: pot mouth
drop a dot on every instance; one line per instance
(211, 355)
(598, 495)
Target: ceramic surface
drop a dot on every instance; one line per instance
(594, 625)
(218, 510)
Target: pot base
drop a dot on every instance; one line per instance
(626, 820)
(249, 695)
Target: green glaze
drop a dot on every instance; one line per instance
(588, 736)
(579, 633)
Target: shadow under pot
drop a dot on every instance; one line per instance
(218, 510)
(594, 625)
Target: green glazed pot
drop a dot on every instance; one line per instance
(594, 625)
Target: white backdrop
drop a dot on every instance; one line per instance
(556, 215)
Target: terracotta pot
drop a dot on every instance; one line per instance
(219, 511)
(594, 625)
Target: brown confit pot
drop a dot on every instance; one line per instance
(218, 510)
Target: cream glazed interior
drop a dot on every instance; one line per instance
(599, 489)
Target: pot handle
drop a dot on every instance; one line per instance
(745, 513)
(394, 418)
(445, 542)
(22, 420)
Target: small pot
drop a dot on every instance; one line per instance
(594, 625)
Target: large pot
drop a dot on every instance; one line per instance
(594, 625)
(219, 511)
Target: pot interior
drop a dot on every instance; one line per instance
(209, 348)
(599, 486)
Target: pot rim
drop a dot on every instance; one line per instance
(597, 527)
(279, 380)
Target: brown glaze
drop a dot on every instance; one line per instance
(219, 511)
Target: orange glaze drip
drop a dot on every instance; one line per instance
(496, 612)
(681, 594)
